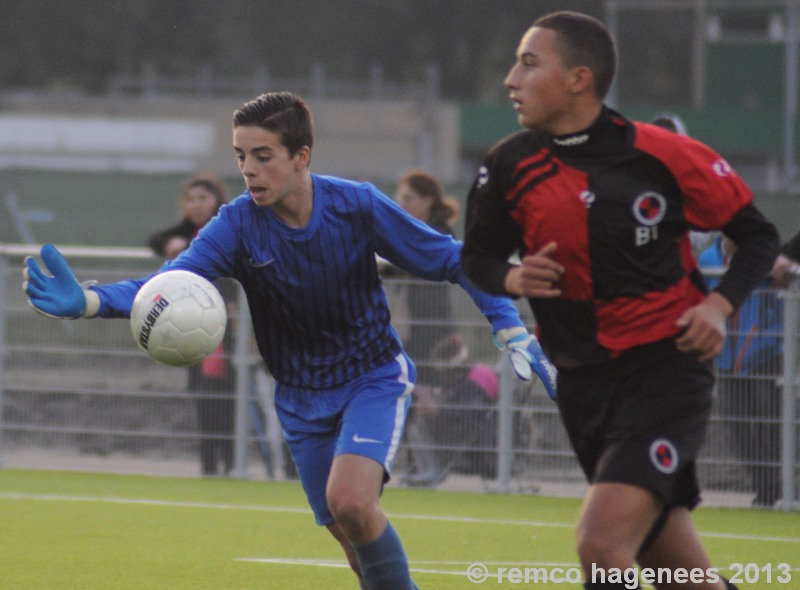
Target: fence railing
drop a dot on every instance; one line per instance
(80, 395)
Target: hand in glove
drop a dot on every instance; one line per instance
(527, 357)
(59, 295)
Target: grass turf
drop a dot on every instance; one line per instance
(71, 531)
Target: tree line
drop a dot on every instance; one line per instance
(83, 44)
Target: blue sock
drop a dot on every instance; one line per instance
(383, 563)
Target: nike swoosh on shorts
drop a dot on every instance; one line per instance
(359, 439)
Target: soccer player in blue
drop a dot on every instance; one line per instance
(304, 248)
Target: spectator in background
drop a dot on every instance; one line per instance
(671, 122)
(466, 418)
(430, 320)
(748, 396)
(430, 316)
(201, 198)
(212, 380)
(788, 262)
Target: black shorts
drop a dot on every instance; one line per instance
(640, 419)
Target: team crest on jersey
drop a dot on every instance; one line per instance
(721, 168)
(664, 455)
(649, 208)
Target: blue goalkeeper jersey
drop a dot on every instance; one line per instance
(320, 315)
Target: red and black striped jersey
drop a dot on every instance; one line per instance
(619, 200)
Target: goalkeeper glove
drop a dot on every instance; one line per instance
(527, 357)
(59, 295)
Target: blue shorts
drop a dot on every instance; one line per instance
(364, 417)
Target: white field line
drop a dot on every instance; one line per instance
(340, 565)
(295, 510)
(414, 564)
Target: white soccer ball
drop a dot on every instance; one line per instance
(178, 318)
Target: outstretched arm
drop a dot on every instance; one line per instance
(510, 335)
(420, 250)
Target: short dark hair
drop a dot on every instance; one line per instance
(583, 40)
(283, 113)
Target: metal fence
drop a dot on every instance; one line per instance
(80, 395)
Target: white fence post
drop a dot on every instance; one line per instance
(243, 365)
(505, 427)
(791, 302)
(4, 273)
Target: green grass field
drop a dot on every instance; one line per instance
(71, 531)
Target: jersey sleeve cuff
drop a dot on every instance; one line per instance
(92, 303)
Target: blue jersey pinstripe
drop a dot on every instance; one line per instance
(320, 315)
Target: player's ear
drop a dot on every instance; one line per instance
(581, 79)
(302, 158)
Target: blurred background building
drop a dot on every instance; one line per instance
(105, 105)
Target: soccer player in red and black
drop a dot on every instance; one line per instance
(599, 209)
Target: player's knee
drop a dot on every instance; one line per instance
(351, 510)
(600, 551)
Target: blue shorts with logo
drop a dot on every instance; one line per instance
(363, 417)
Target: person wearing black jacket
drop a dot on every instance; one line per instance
(599, 208)
(201, 198)
(212, 380)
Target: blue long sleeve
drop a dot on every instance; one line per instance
(319, 312)
(416, 248)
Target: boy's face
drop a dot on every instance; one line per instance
(270, 172)
(540, 82)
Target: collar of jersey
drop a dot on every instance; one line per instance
(303, 233)
(605, 136)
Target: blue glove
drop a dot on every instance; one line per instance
(57, 296)
(527, 357)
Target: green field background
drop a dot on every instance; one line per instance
(87, 531)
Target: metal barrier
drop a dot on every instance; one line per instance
(80, 395)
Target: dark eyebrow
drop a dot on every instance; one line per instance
(255, 150)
